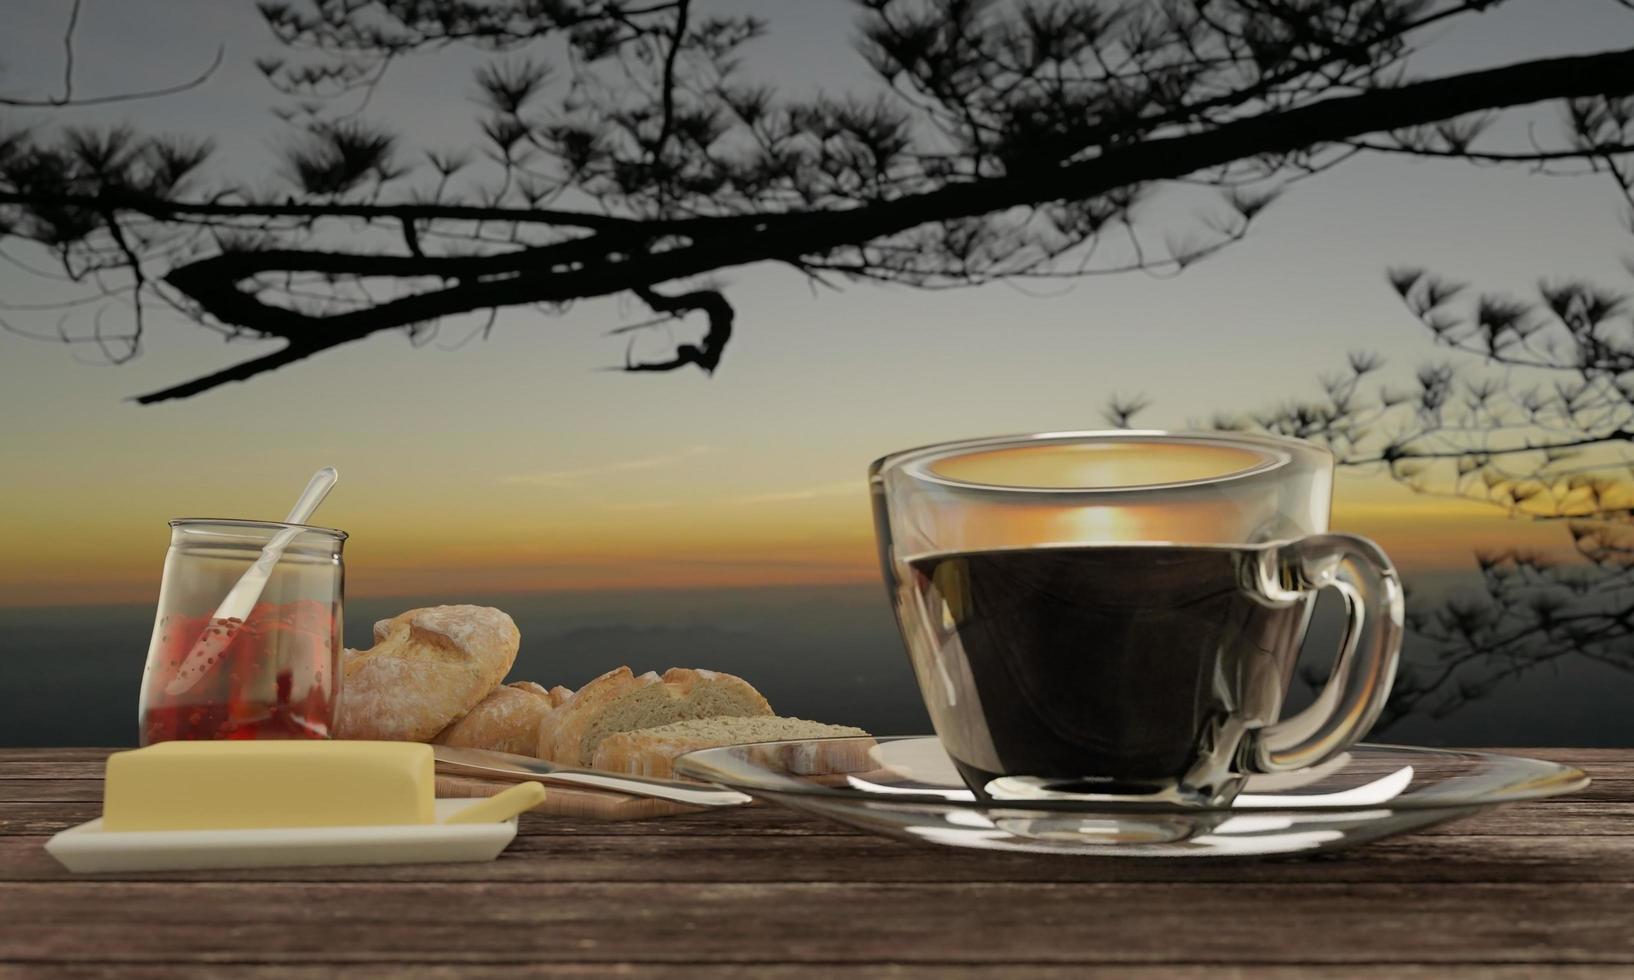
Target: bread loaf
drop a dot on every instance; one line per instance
(507, 720)
(653, 751)
(427, 668)
(555, 695)
(620, 701)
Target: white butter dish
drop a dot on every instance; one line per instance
(89, 848)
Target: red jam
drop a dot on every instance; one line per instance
(272, 678)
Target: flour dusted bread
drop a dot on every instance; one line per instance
(507, 720)
(555, 695)
(558, 695)
(653, 751)
(619, 701)
(427, 668)
(568, 722)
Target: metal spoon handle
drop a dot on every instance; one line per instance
(503, 765)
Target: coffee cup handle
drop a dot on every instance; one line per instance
(1366, 667)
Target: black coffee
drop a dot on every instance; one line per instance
(1124, 664)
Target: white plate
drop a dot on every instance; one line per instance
(89, 848)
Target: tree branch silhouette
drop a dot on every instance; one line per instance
(1002, 140)
(68, 100)
(705, 355)
(1534, 417)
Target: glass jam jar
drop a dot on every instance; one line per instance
(273, 673)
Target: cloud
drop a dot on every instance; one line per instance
(848, 488)
(573, 477)
(639, 506)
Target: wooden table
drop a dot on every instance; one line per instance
(761, 892)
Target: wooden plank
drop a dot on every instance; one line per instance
(421, 970)
(1547, 818)
(1570, 755)
(1606, 791)
(36, 814)
(50, 790)
(34, 818)
(858, 859)
(763, 892)
(1558, 817)
(28, 819)
(1042, 923)
(49, 769)
(1561, 817)
(12, 753)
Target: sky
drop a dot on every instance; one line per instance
(515, 464)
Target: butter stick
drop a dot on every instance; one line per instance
(294, 783)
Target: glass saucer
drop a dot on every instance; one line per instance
(908, 788)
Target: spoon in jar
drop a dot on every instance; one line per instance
(236, 608)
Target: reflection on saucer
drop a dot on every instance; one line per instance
(1380, 790)
(880, 789)
(915, 793)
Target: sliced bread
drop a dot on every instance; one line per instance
(653, 751)
(620, 701)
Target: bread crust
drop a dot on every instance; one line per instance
(565, 734)
(561, 731)
(638, 754)
(427, 669)
(556, 695)
(507, 720)
(683, 679)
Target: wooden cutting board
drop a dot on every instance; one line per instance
(568, 801)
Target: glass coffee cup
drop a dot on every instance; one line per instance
(1119, 614)
(271, 674)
